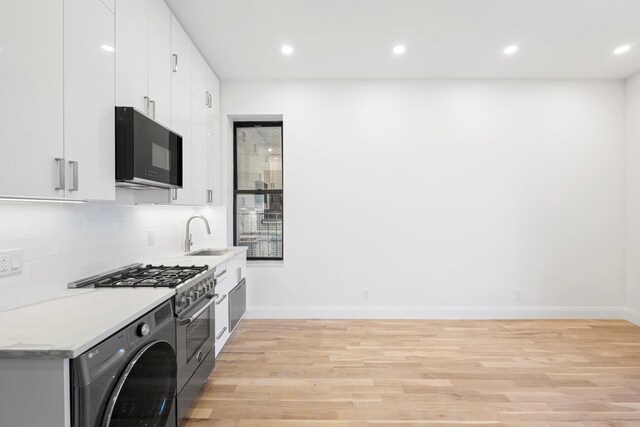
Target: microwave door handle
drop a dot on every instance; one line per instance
(197, 314)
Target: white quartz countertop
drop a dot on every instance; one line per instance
(70, 322)
(210, 261)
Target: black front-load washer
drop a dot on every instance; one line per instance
(129, 379)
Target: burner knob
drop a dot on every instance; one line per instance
(143, 330)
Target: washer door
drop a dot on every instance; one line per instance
(146, 390)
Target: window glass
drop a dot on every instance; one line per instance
(258, 189)
(259, 158)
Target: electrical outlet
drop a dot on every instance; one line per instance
(365, 294)
(10, 262)
(151, 237)
(517, 295)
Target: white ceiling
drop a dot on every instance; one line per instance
(353, 39)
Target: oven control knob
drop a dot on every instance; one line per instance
(184, 301)
(143, 330)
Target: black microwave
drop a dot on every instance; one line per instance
(148, 155)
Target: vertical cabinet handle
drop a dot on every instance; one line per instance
(153, 108)
(146, 105)
(175, 63)
(209, 196)
(60, 174)
(210, 101)
(74, 176)
(206, 99)
(175, 194)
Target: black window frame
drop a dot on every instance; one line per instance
(236, 192)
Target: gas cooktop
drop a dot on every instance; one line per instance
(139, 276)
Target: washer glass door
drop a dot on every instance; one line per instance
(146, 389)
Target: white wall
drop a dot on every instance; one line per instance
(63, 242)
(633, 196)
(442, 197)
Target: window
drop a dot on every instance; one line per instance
(258, 195)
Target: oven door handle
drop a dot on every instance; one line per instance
(195, 315)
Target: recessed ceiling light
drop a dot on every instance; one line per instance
(286, 49)
(107, 48)
(399, 49)
(510, 50)
(622, 49)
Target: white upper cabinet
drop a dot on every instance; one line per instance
(214, 163)
(181, 54)
(199, 160)
(131, 54)
(31, 111)
(159, 61)
(199, 78)
(143, 57)
(89, 80)
(213, 83)
(181, 124)
(58, 56)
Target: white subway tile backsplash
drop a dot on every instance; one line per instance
(62, 243)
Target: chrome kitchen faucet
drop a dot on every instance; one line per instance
(188, 241)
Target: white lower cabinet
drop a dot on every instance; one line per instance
(234, 272)
(222, 321)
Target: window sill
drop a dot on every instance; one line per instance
(265, 263)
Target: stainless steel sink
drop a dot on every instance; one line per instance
(210, 252)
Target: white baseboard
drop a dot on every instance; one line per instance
(425, 312)
(632, 316)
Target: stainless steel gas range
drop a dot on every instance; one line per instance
(194, 314)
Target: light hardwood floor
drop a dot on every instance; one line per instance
(357, 373)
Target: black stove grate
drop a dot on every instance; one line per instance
(150, 276)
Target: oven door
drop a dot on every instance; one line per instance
(195, 336)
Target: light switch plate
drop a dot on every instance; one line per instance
(10, 262)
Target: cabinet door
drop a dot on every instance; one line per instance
(199, 77)
(89, 84)
(32, 106)
(213, 84)
(181, 54)
(159, 61)
(214, 163)
(199, 162)
(131, 54)
(181, 124)
(222, 321)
